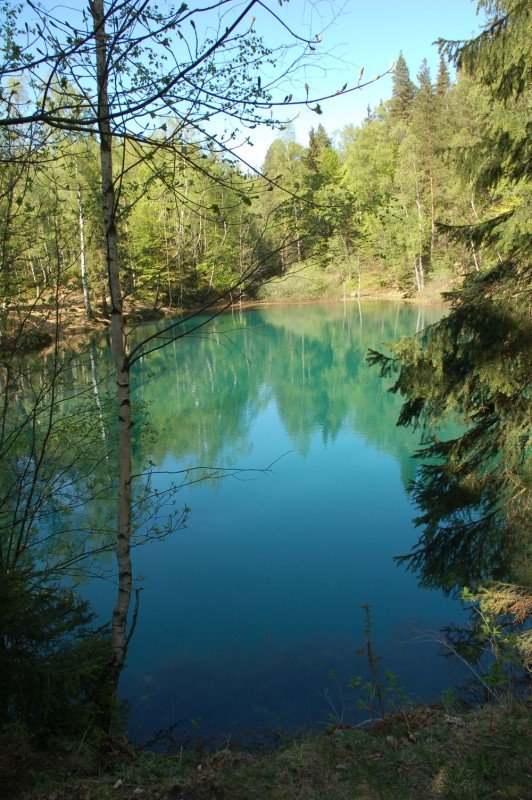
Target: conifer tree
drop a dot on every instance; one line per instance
(403, 90)
(473, 492)
(318, 142)
(443, 79)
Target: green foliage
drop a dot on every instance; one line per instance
(305, 280)
(481, 754)
(375, 205)
(474, 489)
(319, 143)
(499, 56)
(190, 223)
(503, 612)
(379, 696)
(51, 659)
(384, 696)
(403, 90)
(443, 80)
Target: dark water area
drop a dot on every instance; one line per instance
(246, 610)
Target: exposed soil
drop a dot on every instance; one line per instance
(38, 327)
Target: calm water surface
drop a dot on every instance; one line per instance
(246, 610)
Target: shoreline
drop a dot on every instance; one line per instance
(426, 751)
(39, 332)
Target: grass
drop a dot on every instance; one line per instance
(305, 281)
(423, 753)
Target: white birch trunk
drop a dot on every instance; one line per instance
(83, 263)
(119, 637)
(432, 219)
(418, 263)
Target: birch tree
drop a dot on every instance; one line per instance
(139, 81)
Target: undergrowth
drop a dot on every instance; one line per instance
(447, 751)
(425, 753)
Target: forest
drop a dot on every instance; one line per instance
(365, 212)
(124, 200)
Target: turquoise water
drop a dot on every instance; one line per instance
(246, 610)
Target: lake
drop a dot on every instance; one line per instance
(246, 611)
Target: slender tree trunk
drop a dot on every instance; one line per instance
(416, 274)
(83, 265)
(167, 258)
(418, 264)
(298, 238)
(475, 258)
(119, 637)
(432, 218)
(240, 247)
(45, 263)
(95, 389)
(421, 273)
(35, 281)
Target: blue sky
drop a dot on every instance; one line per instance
(368, 34)
(354, 33)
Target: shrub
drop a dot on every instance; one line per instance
(51, 659)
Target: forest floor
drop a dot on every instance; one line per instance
(421, 754)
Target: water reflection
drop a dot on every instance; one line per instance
(247, 610)
(309, 361)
